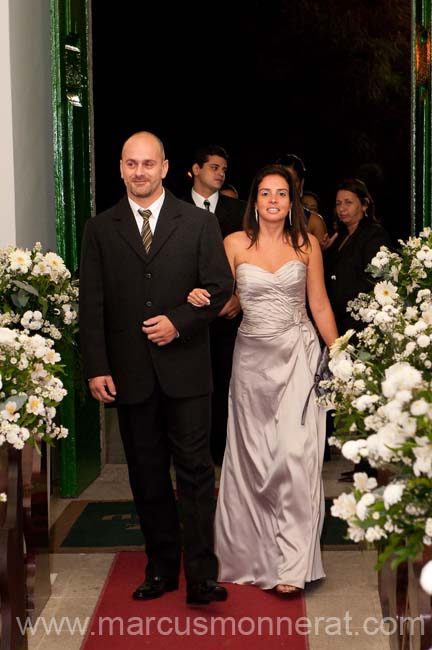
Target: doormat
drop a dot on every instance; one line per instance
(110, 526)
(251, 617)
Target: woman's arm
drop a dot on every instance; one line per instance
(200, 297)
(316, 226)
(319, 303)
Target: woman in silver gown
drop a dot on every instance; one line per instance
(271, 504)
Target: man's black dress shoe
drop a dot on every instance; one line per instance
(202, 593)
(154, 587)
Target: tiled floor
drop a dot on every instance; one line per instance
(343, 610)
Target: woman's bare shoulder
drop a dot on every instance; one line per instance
(237, 239)
(238, 235)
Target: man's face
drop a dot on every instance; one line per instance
(211, 176)
(142, 167)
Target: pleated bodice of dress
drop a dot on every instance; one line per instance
(271, 302)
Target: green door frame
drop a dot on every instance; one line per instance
(421, 124)
(80, 452)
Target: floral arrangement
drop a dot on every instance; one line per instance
(37, 294)
(381, 391)
(29, 389)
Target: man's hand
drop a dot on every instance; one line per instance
(159, 330)
(103, 388)
(231, 308)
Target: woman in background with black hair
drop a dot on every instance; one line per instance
(359, 238)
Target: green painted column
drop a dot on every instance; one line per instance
(79, 454)
(421, 117)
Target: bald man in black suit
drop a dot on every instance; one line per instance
(146, 350)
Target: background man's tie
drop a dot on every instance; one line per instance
(207, 205)
(146, 233)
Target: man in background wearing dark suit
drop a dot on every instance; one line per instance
(209, 166)
(146, 351)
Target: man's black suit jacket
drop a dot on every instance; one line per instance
(121, 286)
(229, 212)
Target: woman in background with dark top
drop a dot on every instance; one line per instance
(358, 239)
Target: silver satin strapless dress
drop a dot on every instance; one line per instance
(270, 507)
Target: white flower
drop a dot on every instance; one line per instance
(381, 259)
(365, 402)
(359, 384)
(392, 410)
(32, 320)
(410, 347)
(12, 435)
(423, 341)
(341, 366)
(427, 316)
(362, 506)
(356, 533)
(423, 294)
(340, 343)
(20, 260)
(393, 494)
(410, 330)
(363, 482)
(7, 336)
(419, 407)
(400, 375)
(423, 455)
(351, 449)
(344, 506)
(411, 313)
(385, 293)
(35, 405)
(10, 411)
(426, 578)
(375, 533)
(428, 527)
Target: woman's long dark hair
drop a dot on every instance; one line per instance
(297, 231)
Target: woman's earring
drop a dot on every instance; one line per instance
(256, 214)
(290, 218)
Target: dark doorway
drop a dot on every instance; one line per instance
(319, 79)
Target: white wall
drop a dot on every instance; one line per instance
(7, 191)
(27, 170)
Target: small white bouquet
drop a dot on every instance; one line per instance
(37, 293)
(30, 389)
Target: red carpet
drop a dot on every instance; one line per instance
(250, 617)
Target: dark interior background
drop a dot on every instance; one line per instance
(327, 80)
